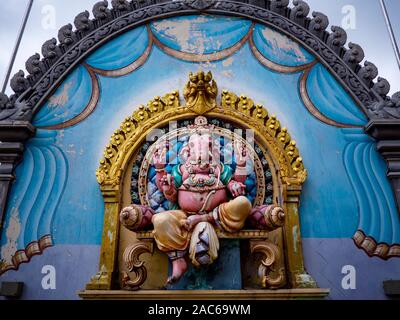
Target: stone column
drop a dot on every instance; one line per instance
(298, 277)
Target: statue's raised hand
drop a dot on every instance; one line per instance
(241, 153)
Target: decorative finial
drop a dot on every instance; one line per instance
(201, 92)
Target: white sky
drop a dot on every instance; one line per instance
(370, 30)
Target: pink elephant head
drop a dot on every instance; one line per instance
(201, 152)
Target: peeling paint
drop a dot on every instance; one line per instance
(182, 32)
(281, 43)
(62, 98)
(295, 238)
(59, 138)
(228, 62)
(227, 73)
(71, 149)
(207, 65)
(12, 234)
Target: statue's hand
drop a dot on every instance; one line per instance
(241, 154)
(193, 220)
(160, 156)
(167, 184)
(237, 188)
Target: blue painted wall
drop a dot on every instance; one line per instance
(56, 192)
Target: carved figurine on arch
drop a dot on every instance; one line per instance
(207, 195)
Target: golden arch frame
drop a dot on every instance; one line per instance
(201, 100)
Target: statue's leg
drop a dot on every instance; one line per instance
(136, 217)
(232, 215)
(267, 217)
(204, 244)
(172, 239)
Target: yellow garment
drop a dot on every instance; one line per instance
(170, 235)
(168, 232)
(234, 213)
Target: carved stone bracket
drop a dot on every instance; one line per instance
(131, 258)
(271, 276)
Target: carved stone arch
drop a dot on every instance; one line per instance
(60, 58)
(287, 167)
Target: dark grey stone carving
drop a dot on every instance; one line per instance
(19, 83)
(299, 12)
(337, 39)
(353, 56)
(101, 12)
(368, 73)
(200, 4)
(318, 24)
(280, 7)
(83, 24)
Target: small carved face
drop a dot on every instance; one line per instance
(201, 152)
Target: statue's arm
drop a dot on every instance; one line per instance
(240, 174)
(164, 181)
(229, 179)
(166, 184)
(242, 157)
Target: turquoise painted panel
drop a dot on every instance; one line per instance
(35, 196)
(122, 51)
(69, 100)
(331, 99)
(367, 172)
(279, 48)
(200, 34)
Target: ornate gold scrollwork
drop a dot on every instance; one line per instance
(271, 276)
(131, 258)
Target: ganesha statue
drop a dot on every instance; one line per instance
(209, 197)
